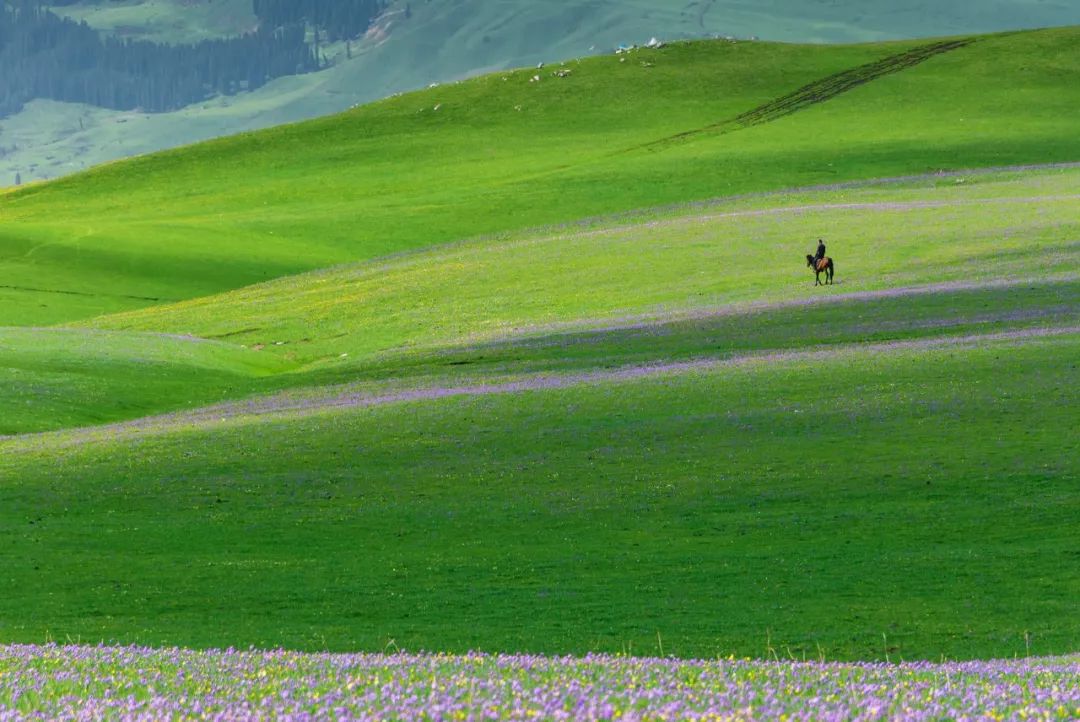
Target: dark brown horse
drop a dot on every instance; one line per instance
(825, 265)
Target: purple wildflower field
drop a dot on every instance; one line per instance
(130, 683)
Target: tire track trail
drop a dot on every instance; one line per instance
(87, 294)
(292, 405)
(820, 91)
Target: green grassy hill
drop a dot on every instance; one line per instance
(444, 40)
(535, 392)
(903, 509)
(543, 459)
(501, 153)
(396, 317)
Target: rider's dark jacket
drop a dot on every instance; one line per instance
(820, 251)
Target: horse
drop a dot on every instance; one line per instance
(825, 265)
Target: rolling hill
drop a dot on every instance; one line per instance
(442, 41)
(539, 366)
(502, 153)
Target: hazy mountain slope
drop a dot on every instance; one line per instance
(443, 40)
(168, 21)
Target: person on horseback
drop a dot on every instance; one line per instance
(821, 263)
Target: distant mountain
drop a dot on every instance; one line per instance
(46, 55)
(86, 81)
(43, 55)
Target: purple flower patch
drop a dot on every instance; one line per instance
(129, 683)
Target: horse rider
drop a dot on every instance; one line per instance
(820, 252)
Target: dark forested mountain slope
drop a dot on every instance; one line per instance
(340, 20)
(43, 55)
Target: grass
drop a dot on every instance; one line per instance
(794, 502)
(608, 293)
(331, 190)
(55, 378)
(552, 398)
(771, 503)
(748, 251)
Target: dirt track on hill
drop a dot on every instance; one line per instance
(822, 90)
(293, 404)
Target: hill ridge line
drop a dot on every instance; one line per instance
(643, 321)
(632, 218)
(912, 205)
(628, 216)
(279, 406)
(819, 91)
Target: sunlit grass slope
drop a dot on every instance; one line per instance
(731, 254)
(501, 153)
(968, 254)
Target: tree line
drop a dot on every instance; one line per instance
(340, 19)
(43, 55)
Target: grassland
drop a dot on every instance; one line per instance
(714, 457)
(56, 378)
(628, 291)
(532, 408)
(730, 255)
(924, 495)
(502, 154)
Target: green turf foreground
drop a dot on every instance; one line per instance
(911, 501)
